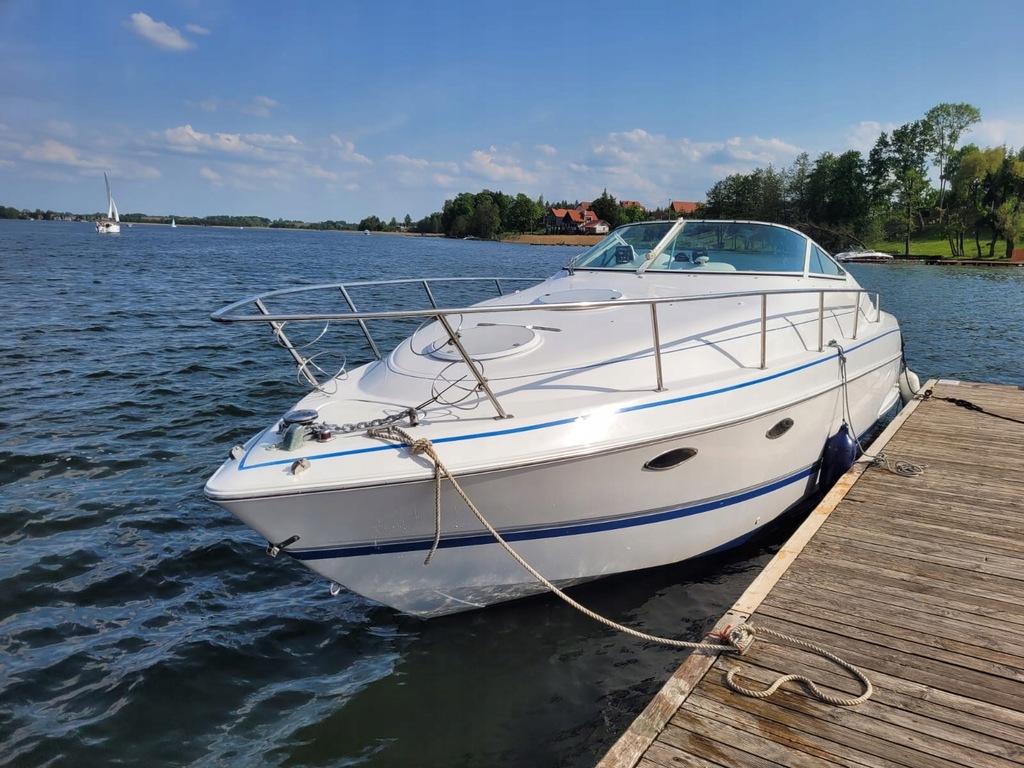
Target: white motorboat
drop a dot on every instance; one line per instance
(110, 224)
(669, 393)
(863, 256)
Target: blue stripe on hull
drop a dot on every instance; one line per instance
(575, 529)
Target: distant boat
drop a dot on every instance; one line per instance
(863, 256)
(173, 225)
(109, 224)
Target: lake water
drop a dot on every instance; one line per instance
(141, 625)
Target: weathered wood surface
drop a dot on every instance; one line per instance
(918, 581)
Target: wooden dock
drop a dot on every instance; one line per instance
(917, 581)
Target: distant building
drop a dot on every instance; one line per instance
(575, 221)
(682, 208)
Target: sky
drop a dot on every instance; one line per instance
(342, 109)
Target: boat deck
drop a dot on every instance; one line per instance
(916, 580)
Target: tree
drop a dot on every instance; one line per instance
(898, 175)
(523, 215)
(429, 225)
(606, 207)
(1009, 222)
(837, 201)
(1007, 201)
(970, 188)
(757, 195)
(796, 191)
(629, 214)
(456, 213)
(486, 220)
(946, 122)
(373, 223)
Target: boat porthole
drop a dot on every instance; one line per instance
(671, 459)
(779, 429)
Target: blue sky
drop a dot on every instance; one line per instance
(339, 110)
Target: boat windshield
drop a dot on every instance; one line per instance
(626, 248)
(709, 246)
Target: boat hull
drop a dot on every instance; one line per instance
(573, 519)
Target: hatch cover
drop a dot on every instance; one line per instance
(487, 342)
(579, 294)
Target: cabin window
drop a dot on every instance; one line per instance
(822, 264)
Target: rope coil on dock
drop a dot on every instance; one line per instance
(839, 701)
(732, 640)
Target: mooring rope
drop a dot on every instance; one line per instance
(730, 678)
(970, 406)
(733, 639)
(901, 468)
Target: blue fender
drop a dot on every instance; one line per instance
(839, 455)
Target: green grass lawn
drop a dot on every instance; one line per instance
(930, 242)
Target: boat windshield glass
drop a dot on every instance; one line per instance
(731, 246)
(626, 248)
(708, 246)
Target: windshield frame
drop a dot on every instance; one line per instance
(695, 246)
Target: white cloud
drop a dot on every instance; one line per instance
(55, 152)
(502, 167)
(158, 33)
(416, 172)
(995, 133)
(314, 171)
(863, 135)
(61, 129)
(195, 29)
(260, 106)
(187, 139)
(347, 151)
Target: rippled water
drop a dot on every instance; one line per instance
(141, 625)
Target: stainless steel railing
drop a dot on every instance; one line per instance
(277, 320)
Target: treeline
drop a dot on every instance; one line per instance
(849, 199)
(488, 215)
(235, 221)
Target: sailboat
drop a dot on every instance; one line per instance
(111, 223)
(173, 225)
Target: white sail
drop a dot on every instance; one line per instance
(111, 205)
(110, 224)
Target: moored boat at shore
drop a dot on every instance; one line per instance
(669, 393)
(863, 256)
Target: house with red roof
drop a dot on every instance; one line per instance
(576, 221)
(681, 208)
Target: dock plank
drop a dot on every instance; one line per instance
(918, 581)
